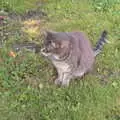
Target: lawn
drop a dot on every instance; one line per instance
(27, 91)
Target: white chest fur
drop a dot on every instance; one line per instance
(62, 66)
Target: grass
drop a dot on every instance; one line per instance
(19, 6)
(27, 91)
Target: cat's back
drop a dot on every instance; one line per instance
(81, 41)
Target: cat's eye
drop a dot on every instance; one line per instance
(49, 41)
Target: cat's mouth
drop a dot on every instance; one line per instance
(45, 52)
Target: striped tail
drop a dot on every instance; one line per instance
(100, 43)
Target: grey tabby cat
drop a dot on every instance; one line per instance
(71, 53)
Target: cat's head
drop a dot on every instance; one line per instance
(56, 45)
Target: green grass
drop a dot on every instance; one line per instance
(19, 6)
(27, 91)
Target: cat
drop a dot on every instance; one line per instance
(71, 53)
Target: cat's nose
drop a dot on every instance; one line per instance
(44, 50)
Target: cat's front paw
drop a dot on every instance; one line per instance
(65, 83)
(58, 81)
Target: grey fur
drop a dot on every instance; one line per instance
(71, 53)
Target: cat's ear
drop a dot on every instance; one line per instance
(49, 33)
